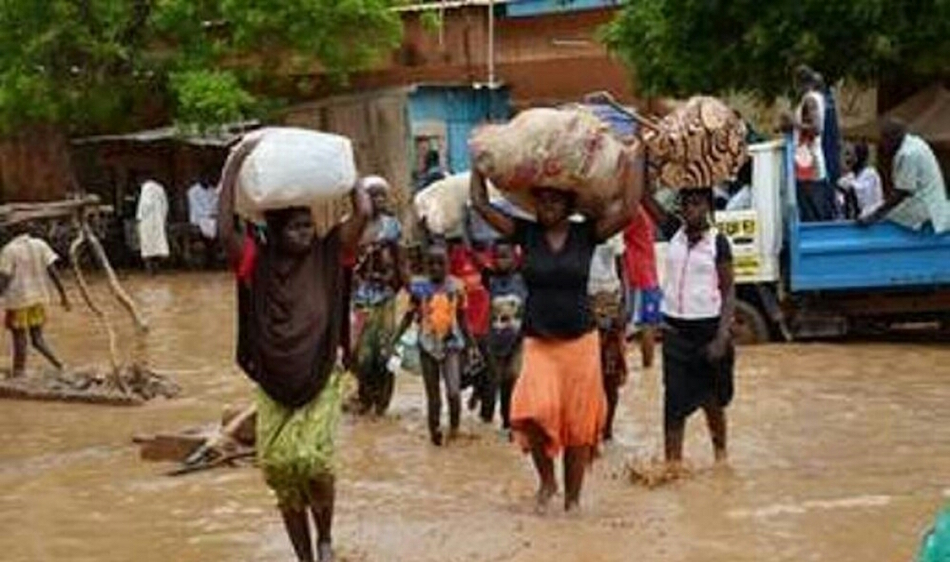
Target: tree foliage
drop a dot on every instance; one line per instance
(678, 47)
(91, 64)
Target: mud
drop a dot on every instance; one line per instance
(838, 452)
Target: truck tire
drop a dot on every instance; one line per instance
(749, 326)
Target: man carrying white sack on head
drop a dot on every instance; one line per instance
(152, 214)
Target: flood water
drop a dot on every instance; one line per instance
(838, 452)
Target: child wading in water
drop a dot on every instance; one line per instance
(698, 307)
(26, 269)
(290, 315)
(508, 293)
(438, 304)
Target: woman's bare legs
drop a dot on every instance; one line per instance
(716, 420)
(297, 523)
(576, 461)
(543, 464)
(324, 494)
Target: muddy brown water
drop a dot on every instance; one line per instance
(839, 452)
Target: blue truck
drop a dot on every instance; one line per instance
(816, 280)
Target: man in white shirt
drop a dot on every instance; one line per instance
(203, 208)
(203, 214)
(919, 194)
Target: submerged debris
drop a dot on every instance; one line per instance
(132, 386)
(653, 473)
(195, 449)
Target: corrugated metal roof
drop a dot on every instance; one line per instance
(447, 5)
(222, 136)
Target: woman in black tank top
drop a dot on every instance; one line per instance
(559, 402)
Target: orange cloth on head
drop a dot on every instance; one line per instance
(560, 389)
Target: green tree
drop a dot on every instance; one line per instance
(679, 47)
(90, 65)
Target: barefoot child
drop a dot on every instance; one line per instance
(290, 312)
(438, 304)
(606, 288)
(698, 306)
(26, 269)
(508, 293)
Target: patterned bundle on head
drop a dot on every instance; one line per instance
(700, 144)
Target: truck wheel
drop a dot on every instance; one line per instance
(749, 326)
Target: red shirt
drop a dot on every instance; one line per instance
(462, 265)
(640, 256)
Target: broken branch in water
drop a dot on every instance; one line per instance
(114, 285)
(96, 311)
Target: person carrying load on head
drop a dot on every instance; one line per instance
(290, 311)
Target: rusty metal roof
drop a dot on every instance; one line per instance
(221, 136)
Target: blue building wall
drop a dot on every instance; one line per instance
(528, 8)
(461, 108)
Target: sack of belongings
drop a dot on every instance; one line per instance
(569, 149)
(293, 167)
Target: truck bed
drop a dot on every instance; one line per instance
(843, 256)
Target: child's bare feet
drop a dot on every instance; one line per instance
(543, 498)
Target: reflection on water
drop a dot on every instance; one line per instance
(839, 452)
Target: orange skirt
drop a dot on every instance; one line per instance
(561, 391)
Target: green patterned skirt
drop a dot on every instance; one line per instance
(295, 446)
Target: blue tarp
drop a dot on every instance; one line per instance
(620, 122)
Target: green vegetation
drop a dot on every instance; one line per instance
(92, 65)
(679, 47)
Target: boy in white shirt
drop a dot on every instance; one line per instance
(26, 270)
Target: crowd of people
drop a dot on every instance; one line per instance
(534, 316)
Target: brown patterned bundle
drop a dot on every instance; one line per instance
(700, 144)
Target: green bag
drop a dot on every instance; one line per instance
(936, 545)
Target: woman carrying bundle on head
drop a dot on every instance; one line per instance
(559, 403)
(290, 310)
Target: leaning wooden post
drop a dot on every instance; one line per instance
(115, 374)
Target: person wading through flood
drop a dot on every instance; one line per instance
(508, 294)
(607, 288)
(290, 310)
(27, 265)
(559, 402)
(379, 277)
(438, 305)
(698, 306)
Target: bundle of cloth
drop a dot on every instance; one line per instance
(700, 143)
(443, 204)
(569, 149)
(293, 167)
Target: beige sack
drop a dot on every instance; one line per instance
(442, 204)
(569, 149)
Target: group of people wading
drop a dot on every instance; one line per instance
(551, 343)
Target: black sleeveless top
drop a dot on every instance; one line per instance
(557, 306)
